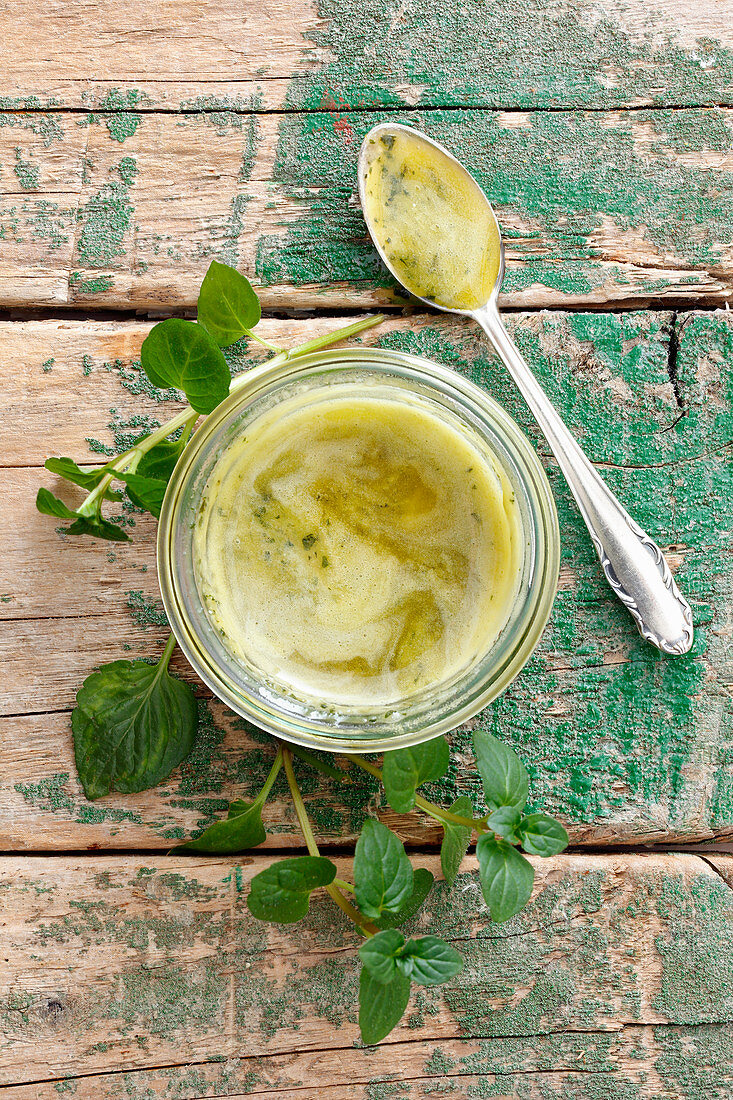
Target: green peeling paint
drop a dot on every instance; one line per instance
(145, 612)
(52, 795)
(537, 1011)
(516, 54)
(544, 174)
(107, 217)
(28, 174)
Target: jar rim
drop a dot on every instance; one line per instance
(318, 734)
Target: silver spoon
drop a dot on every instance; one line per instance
(632, 562)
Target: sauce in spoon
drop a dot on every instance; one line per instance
(431, 221)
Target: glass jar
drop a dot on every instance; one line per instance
(433, 710)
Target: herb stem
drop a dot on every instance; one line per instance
(133, 455)
(344, 885)
(272, 776)
(365, 765)
(310, 842)
(147, 442)
(317, 343)
(319, 765)
(170, 645)
(477, 823)
(265, 343)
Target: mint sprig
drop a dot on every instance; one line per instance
(134, 722)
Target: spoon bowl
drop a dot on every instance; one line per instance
(438, 235)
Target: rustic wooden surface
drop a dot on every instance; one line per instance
(614, 982)
(138, 141)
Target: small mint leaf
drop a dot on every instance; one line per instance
(542, 835)
(506, 877)
(404, 770)
(383, 874)
(228, 306)
(456, 839)
(503, 775)
(381, 1005)
(429, 961)
(281, 893)
(182, 354)
(240, 830)
(505, 821)
(379, 954)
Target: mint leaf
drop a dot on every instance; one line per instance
(542, 835)
(422, 885)
(228, 306)
(241, 829)
(383, 874)
(50, 505)
(505, 822)
(456, 839)
(146, 492)
(503, 774)
(429, 961)
(182, 354)
(95, 525)
(133, 723)
(98, 528)
(379, 954)
(88, 479)
(506, 877)
(281, 892)
(381, 1005)
(404, 770)
(160, 461)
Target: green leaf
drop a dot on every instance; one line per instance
(145, 492)
(133, 723)
(241, 829)
(88, 479)
(506, 877)
(382, 872)
(183, 354)
(542, 835)
(456, 839)
(50, 505)
(94, 525)
(228, 306)
(381, 1006)
(503, 774)
(406, 769)
(429, 961)
(379, 954)
(422, 885)
(281, 892)
(505, 822)
(98, 528)
(160, 461)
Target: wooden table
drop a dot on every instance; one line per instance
(138, 141)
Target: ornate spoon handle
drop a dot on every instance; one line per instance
(633, 563)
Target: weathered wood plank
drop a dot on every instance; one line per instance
(597, 207)
(541, 53)
(615, 981)
(574, 1066)
(621, 743)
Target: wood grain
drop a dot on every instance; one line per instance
(138, 141)
(623, 745)
(574, 53)
(94, 217)
(613, 980)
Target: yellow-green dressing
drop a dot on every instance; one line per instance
(357, 547)
(431, 221)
